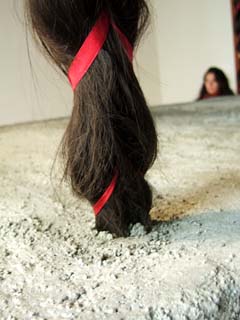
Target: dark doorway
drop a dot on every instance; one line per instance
(236, 30)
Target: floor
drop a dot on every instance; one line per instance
(53, 263)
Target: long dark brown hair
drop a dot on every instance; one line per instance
(110, 126)
(222, 80)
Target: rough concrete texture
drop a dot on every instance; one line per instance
(53, 263)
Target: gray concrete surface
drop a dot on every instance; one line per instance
(53, 263)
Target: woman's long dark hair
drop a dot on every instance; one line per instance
(222, 80)
(110, 126)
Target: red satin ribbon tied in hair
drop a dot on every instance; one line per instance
(105, 197)
(91, 48)
(82, 62)
(125, 42)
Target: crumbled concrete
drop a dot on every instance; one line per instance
(55, 265)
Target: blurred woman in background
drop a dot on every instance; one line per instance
(215, 84)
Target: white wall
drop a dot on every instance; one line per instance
(184, 39)
(26, 96)
(189, 36)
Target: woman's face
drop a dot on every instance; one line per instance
(211, 84)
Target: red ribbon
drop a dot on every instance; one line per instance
(82, 62)
(125, 42)
(91, 48)
(105, 197)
